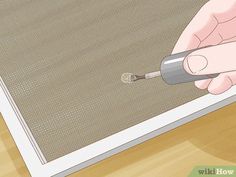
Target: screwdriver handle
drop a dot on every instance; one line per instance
(173, 72)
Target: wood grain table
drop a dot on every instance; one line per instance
(210, 140)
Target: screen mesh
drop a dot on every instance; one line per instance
(62, 62)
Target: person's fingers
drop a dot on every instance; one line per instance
(224, 32)
(222, 83)
(233, 39)
(213, 39)
(210, 60)
(219, 84)
(205, 23)
(227, 29)
(223, 10)
(200, 27)
(203, 84)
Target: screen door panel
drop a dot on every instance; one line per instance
(62, 62)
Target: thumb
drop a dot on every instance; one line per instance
(211, 60)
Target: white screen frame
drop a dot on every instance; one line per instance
(110, 145)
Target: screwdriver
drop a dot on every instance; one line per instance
(171, 70)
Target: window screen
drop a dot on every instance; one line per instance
(62, 62)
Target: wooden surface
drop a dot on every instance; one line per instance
(210, 140)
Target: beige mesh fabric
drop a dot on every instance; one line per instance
(62, 62)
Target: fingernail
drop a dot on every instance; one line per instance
(196, 63)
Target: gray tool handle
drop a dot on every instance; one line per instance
(173, 72)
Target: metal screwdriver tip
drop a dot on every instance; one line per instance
(128, 78)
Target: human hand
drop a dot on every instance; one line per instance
(214, 24)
